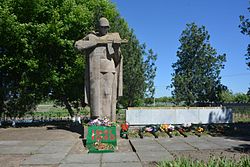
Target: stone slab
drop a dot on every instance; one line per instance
(18, 149)
(203, 145)
(120, 157)
(61, 143)
(174, 140)
(82, 159)
(146, 145)
(9, 142)
(79, 165)
(144, 141)
(155, 156)
(177, 146)
(127, 164)
(124, 145)
(44, 159)
(55, 165)
(11, 160)
(221, 142)
(236, 145)
(149, 147)
(33, 143)
(215, 139)
(193, 139)
(53, 149)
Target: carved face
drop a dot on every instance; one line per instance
(103, 30)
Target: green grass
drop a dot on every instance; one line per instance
(56, 112)
(239, 117)
(242, 120)
(213, 162)
(240, 109)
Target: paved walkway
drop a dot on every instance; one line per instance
(62, 148)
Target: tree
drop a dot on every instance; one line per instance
(227, 96)
(245, 29)
(38, 60)
(241, 98)
(196, 76)
(150, 73)
(134, 80)
(248, 94)
(37, 53)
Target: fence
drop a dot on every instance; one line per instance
(241, 111)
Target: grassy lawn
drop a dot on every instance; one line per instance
(51, 111)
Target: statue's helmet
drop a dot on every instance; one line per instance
(103, 22)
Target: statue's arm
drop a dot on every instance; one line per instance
(85, 43)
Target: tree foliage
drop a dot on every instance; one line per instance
(245, 29)
(241, 98)
(134, 80)
(196, 76)
(37, 57)
(150, 73)
(229, 97)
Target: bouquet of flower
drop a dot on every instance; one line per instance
(103, 146)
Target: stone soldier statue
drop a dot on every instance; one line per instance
(103, 74)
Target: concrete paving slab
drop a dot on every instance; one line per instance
(12, 160)
(154, 156)
(78, 148)
(53, 149)
(33, 143)
(229, 140)
(18, 149)
(172, 141)
(127, 164)
(193, 139)
(149, 164)
(149, 147)
(221, 142)
(217, 139)
(9, 142)
(204, 145)
(142, 145)
(65, 149)
(176, 139)
(82, 159)
(44, 159)
(79, 165)
(120, 157)
(55, 165)
(170, 146)
(62, 143)
(237, 145)
(124, 145)
(236, 142)
(144, 141)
